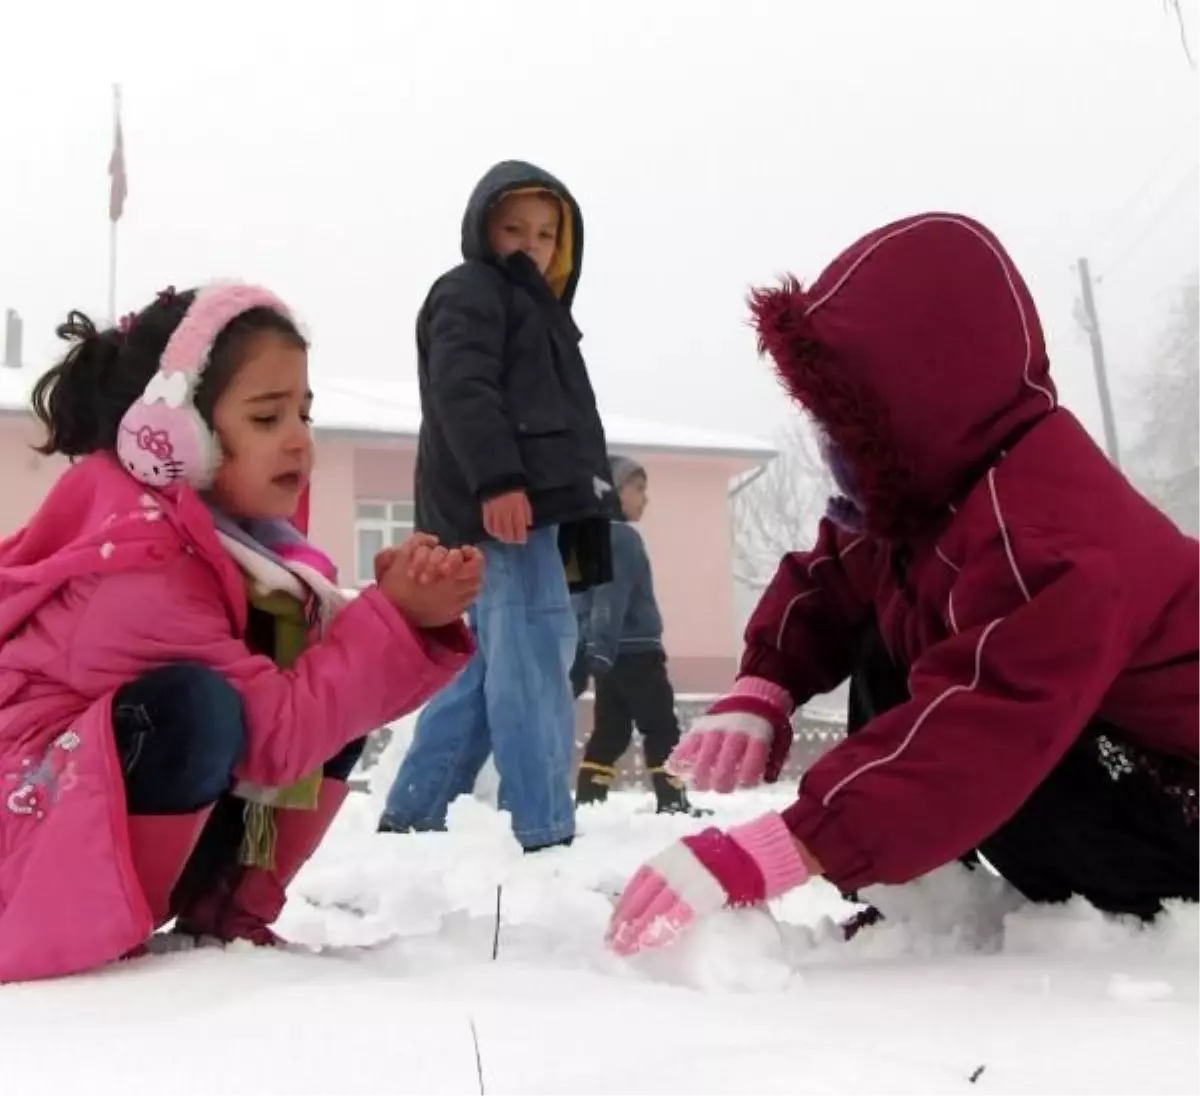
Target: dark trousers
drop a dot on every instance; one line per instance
(179, 733)
(579, 673)
(1111, 822)
(635, 691)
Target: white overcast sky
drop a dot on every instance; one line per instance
(327, 150)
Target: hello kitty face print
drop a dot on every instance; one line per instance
(162, 440)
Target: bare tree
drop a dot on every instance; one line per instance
(1166, 462)
(1172, 6)
(777, 511)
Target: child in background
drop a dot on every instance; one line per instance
(623, 651)
(511, 457)
(183, 691)
(1019, 624)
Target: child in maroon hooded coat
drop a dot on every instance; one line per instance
(1019, 626)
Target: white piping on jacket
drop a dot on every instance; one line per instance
(919, 722)
(787, 612)
(820, 302)
(946, 560)
(1003, 527)
(950, 690)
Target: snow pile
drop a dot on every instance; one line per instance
(395, 408)
(393, 968)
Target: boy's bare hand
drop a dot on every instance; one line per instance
(431, 585)
(508, 517)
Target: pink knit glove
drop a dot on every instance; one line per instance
(742, 740)
(702, 874)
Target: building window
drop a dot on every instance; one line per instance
(378, 525)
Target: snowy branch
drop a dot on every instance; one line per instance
(1166, 461)
(478, 1058)
(1173, 6)
(778, 512)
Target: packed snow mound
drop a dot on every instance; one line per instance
(392, 969)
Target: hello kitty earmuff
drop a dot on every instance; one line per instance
(162, 440)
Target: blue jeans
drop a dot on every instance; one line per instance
(513, 700)
(179, 732)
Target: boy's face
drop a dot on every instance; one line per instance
(525, 222)
(635, 497)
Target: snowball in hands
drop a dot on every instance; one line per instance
(699, 875)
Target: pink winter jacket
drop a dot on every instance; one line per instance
(108, 581)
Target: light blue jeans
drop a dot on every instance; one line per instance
(513, 700)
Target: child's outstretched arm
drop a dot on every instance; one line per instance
(799, 643)
(371, 666)
(800, 636)
(994, 708)
(466, 330)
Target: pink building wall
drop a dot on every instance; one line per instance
(331, 509)
(27, 475)
(686, 528)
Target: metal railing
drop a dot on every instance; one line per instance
(815, 733)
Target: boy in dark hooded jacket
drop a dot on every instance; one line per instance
(511, 456)
(622, 650)
(1018, 624)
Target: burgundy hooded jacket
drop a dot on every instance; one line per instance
(1039, 588)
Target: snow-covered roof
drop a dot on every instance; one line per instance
(395, 409)
(367, 407)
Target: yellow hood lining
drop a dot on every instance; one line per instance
(563, 262)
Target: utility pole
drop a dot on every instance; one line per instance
(1091, 324)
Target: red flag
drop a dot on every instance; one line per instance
(119, 186)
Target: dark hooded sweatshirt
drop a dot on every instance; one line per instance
(1014, 574)
(622, 616)
(506, 402)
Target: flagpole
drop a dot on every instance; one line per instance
(112, 224)
(112, 272)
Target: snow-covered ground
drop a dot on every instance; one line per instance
(401, 981)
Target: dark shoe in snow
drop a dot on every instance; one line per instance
(672, 797)
(565, 843)
(386, 826)
(245, 901)
(593, 783)
(865, 918)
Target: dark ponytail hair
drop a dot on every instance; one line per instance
(82, 399)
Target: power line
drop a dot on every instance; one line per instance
(1117, 217)
(1156, 218)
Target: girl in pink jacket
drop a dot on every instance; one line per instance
(183, 689)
